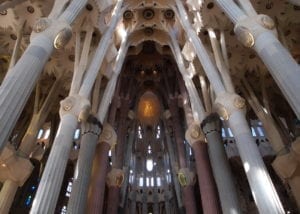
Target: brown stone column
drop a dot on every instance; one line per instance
(115, 179)
(116, 175)
(97, 183)
(187, 188)
(208, 189)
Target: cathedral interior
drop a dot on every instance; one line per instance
(149, 106)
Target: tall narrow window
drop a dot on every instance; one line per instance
(40, 134)
(149, 165)
(47, 134)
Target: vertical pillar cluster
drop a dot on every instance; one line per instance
(231, 107)
(208, 190)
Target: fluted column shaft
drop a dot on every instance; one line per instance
(50, 184)
(257, 174)
(96, 63)
(19, 82)
(7, 195)
(89, 138)
(211, 127)
(282, 66)
(178, 132)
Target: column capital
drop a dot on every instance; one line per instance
(227, 103)
(58, 30)
(211, 123)
(13, 167)
(115, 177)
(186, 177)
(194, 134)
(92, 125)
(77, 105)
(248, 29)
(108, 135)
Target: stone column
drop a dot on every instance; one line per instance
(208, 189)
(19, 82)
(7, 195)
(211, 127)
(134, 185)
(115, 179)
(73, 108)
(107, 140)
(172, 158)
(196, 105)
(96, 63)
(90, 131)
(231, 108)
(127, 161)
(114, 188)
(258, 32)
(187, 189)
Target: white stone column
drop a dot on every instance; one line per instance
(7, 195)
(96, 63)
(258, 32)
(72, 109)
(90, 131)
(111, 85)
(220, 62)
(204, 58)
(197, 107)
(18, 84)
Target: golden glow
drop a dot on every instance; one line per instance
(149, 109)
